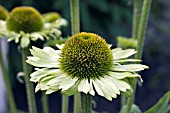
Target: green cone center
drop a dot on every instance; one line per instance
(86, 55)
(26, 19)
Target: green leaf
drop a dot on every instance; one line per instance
(162, 106)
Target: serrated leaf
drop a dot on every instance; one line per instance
(162, 106)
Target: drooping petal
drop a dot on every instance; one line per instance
(46, 57)
(122, 75)
(84, 86)
(65, 85)
(130, 67)
(118, 53)
(91, 90)
(96, 87)
(110, 87)
(127, 60)
(44, 72)
(60, 46)
(121, 85)
(72, 90)
(35, 36)
(104, 89)
(25, 41)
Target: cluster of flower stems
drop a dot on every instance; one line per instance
(82, 102)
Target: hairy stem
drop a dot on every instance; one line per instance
(11, 100)
(44, 101)
(29, 85)
(75, 28)
(141, 38)
(86, 105)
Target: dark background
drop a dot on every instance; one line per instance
(109, 19)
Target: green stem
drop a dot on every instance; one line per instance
(123, 101)
(75, 28)
(142, 27)
(44, 100)
(65, 104)
(11, 100)
(130, 100)
(75, 18)
(29, 85)
(136, 18)
(86, 105)
(141, 38)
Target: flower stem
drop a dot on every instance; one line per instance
(64, 104)
(141, 38)
(7, 85)
(75, 18)
(86, 105)
(136, 18)
(29, 85)
(75, 28)
(142, 27)
(44, 100)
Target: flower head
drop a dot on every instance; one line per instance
(26, 19)
(26, 23)
(86, 64)
(3, 13)
(125, 43)
(51, 16)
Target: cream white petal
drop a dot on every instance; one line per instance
(104, 89)
(25, 41)
(60, 46)
(58, 80)
(122, 75)
(35, 36)
(130, 67)
(108, 85)
(72, 90)
(118, 53)
(96, 87)
(121, 85)
(84, 86)
(91, 90)
(67, 84)
(51, 90)
(44, 72)
(46, 57)
(111, 85)
(127, 60)
(38, 62)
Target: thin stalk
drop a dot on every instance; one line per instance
(29, 85)
(86, 105)
(136, 18)
(44, 101)
(123, 101)
(64, 104)
(75, 17)
(141, 38)
(75, 28)
(142, 27)
(10, 95)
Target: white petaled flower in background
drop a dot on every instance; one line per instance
(26, 24)
(85, 63)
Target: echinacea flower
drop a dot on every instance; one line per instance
(85, 63)
(3, 13)
(26, 23)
